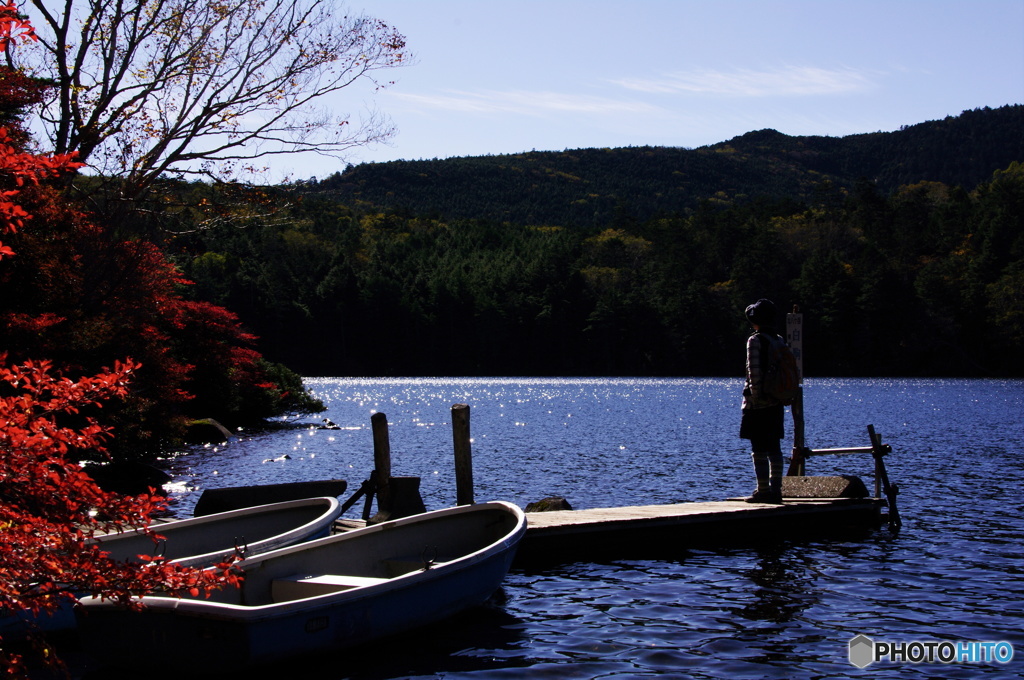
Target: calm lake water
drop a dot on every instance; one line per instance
(781, 610)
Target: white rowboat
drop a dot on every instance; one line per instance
(320, 596)
(199, 542)
(205, 541)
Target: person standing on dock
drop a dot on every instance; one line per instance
(763, 420)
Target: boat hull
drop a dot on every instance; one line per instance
(228, 634)
(205, 541)
(198, 542)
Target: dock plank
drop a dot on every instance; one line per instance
(621, 531)
(625, 531)
(559, 518)
(681, 512)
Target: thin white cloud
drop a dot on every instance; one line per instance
(788, 81)
(523, 102)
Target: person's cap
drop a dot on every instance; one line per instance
(762, 312)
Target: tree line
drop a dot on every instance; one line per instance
(591, 187)
(923, 280)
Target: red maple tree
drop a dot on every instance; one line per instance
(50, 510)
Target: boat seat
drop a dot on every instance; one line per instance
(301, 586)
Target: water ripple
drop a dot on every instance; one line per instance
(780, 611)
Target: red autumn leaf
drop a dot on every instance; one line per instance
(48, 418)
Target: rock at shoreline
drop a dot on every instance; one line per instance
(549, 504)
(207, 431)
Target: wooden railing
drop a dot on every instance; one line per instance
(878, 451)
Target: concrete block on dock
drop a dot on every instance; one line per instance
(840, 486)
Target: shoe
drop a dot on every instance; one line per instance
(773, 498)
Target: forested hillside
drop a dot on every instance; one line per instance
(591, 187)
(905, 250)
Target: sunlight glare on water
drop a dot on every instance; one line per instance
(785, 610)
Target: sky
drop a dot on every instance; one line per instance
(506, 76)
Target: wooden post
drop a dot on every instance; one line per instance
(463, 455)
(798, 466)
(876, 442)
(795, 340)
(381, 461)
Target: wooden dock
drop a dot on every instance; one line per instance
(664, 529)
(611, 533)
(813, 506)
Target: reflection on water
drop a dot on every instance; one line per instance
(786, 610)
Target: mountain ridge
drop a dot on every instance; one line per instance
(593, 187)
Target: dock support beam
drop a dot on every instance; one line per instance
(463, 455)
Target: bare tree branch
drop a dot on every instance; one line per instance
(151, 88)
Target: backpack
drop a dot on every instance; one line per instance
(780, 378)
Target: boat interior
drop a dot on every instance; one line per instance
(366, 557)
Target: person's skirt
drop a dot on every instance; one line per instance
(763, 423)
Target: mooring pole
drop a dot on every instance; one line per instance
(463, 455)
(795, 340)
(382, 461)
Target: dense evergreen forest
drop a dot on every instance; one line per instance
(591, 187)
(905, 251)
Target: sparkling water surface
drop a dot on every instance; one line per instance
(776, 610)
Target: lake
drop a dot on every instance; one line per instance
(780, 610)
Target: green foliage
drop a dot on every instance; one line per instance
(288, 395)
(580, 264)
(595, 188)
